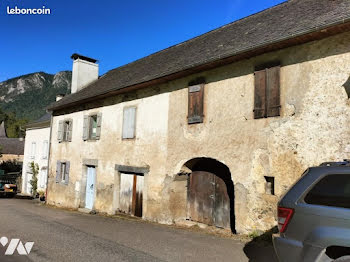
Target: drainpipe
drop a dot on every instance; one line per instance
(48, 158)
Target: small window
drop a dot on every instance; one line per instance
(93, 127)
(267, 93)
(45, 149)
(129, 120)
(332, 190)
(62, 172)
(270, 185)
(65, 128)
(32, 150)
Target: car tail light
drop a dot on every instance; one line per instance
(284, 217)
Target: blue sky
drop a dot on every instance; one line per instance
(114, 32)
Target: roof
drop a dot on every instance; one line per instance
(43, 121)
(282, 22)
(12, 146)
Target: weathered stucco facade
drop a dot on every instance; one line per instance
(313, 128)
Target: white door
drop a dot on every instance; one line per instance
(90, 187)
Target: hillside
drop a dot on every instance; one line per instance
(27, 96)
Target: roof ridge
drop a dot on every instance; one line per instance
(201, 35)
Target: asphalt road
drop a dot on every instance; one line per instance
(71, 236)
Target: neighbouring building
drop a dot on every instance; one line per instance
(11, 149)
(212, 130)
(36, 151)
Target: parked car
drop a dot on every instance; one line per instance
(314, 216)
(8, 186)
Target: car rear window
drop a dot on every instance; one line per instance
(332, 190)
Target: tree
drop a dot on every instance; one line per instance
(34, 181)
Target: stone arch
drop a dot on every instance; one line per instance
(204, 187)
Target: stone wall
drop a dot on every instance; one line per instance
(313, 127)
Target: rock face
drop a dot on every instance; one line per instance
(28, 95)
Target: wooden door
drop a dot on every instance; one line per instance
(201, 197)
(222, 204)
(208, 201)
(131, 194)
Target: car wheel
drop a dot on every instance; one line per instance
(343, 259)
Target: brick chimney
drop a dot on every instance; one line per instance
(85, 71)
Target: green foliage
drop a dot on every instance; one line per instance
(14, 126)
(11, 166)
(34, 181)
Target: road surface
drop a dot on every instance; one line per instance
(60, 235)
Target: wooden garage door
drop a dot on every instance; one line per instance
(209, 202)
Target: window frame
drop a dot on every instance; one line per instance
(33, 150)
(45, 152)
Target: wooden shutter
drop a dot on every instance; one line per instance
(260, 94)
(129, 118)
(60, 131)
(98, 128)
(58, 171)
(195, 103)
(66, 181)
(86, 128)
(273, 92)
(70, 130)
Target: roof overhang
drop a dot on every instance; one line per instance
(302, 37)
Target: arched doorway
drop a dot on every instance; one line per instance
(210, 193)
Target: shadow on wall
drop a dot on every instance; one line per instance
(260, 248)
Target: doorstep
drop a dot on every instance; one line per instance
(86, 211)
(23, 196)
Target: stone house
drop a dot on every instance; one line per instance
(212, 130)
(36, 149)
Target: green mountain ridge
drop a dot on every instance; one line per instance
(28, 95)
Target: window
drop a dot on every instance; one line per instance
(65, 128)
(267, 93)
(332, 190)
(269, 185)
(62, 172)
(92, 127)
(32, 150)
(195, 103)
(45, 149)
(129, 119)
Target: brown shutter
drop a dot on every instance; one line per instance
(260, 94)
(195, 103)
(273, 91)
